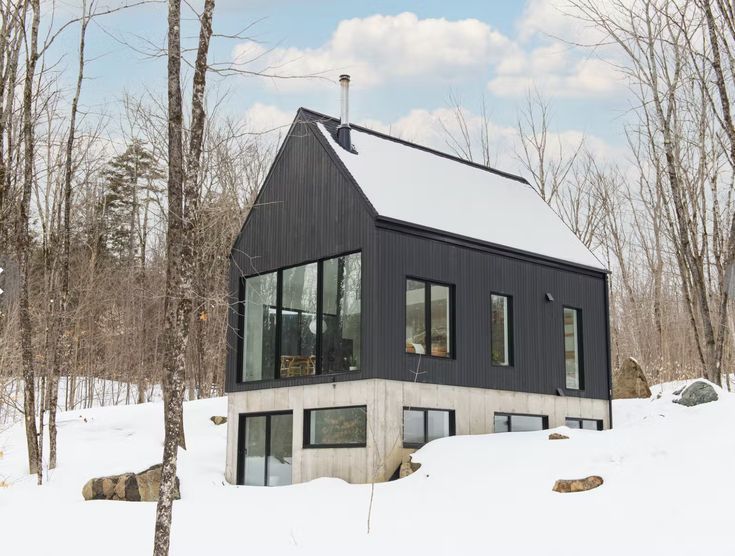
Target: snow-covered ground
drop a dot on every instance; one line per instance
(667, 471)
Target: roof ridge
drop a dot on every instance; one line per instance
(430, 150)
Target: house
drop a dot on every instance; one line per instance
(386, 294)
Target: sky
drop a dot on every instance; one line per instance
(407, 60)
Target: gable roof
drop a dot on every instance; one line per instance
(420, 186)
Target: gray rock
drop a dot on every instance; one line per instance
(577, 485)
(130, 487)
(697, 393)
(630, 381)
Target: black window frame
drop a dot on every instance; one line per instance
(242, 285)
(580, 420)
(425, 410)
(511, 335)
(307, 445)
(544, 419)
(452, 335)
(580, 348)
(240, 463)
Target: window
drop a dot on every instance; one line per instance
(518, 422)
(587, 424)
(341, 313)
(428, 308)
(335, 427)
(259, 338)
(573, 348)
(302, 320)
(501, 330)
(424, 425)
(298, 313)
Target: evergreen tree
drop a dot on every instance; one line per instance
(126, 180)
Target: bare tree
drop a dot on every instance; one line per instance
(182, 202)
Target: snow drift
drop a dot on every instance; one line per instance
(664, 492)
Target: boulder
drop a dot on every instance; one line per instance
(577, 485)
(557, 436)
(697, 393)
(630, 381)
(130, 487)
(407, 467)
(218, 419)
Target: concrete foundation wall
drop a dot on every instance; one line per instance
(385, 399)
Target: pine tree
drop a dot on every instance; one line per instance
(126, 177)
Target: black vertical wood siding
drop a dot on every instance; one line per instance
(309, 209)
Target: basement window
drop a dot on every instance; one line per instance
(335, 427)
(520, 422)
(424, 425)
(586, 424)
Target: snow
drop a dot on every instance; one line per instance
(412, 185)
(666, 468)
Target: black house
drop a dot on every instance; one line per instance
(386, 294)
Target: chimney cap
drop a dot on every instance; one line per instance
(344, 76)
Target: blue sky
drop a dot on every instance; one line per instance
(405, 58)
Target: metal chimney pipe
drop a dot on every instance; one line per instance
(343, 131)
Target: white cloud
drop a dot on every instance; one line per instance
(381, 47)
(262, 118)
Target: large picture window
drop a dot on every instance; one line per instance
(335, 427)
(501, 332)
(428, 318)
(573, 348)
(302, 320)
(424, 425)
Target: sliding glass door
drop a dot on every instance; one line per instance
(265, 449)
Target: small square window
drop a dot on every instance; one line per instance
(424, 425)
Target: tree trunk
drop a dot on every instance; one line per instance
(182, 203)
(24, 250)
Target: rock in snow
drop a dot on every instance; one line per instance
(130, 487)
(557, 436)
(630, 381)
(697, 393)
(218, 419)
(577, 485)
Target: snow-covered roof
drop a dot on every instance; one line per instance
(415, 185)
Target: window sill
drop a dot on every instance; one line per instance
(322, 446)
(426, 355)
(293, 378)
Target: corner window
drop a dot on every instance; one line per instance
(518, 422)
(501, 331)
(573, 348)
(259, 327)
(429, 318)
(302, 321)
(337, 427)
(424, 425)
(587, 424)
